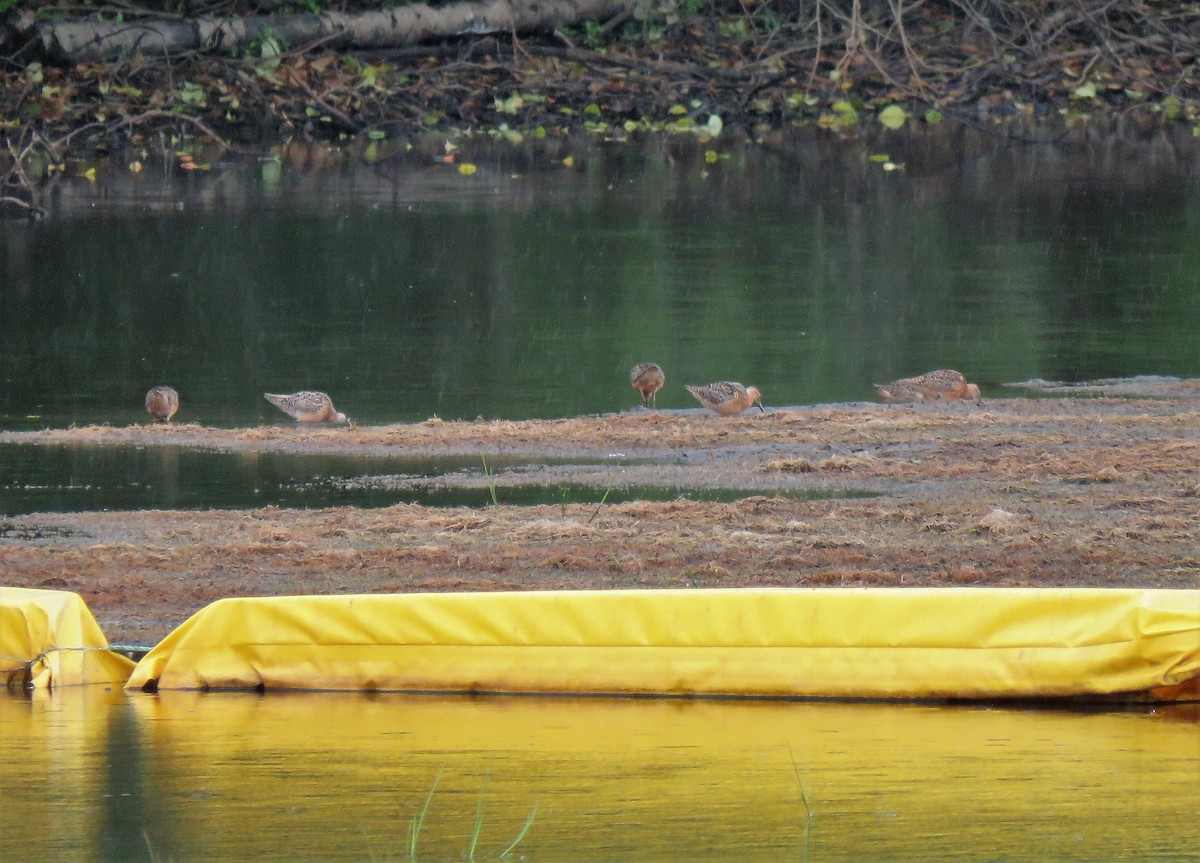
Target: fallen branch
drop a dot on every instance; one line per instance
(345, 122)
(18, 178)
(27, 205)
(81, 41)
(171, 115)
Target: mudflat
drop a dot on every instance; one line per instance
(1095, 485)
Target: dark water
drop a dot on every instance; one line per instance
(74, 478)
(95, 776)
(529, 289)
(80, 478)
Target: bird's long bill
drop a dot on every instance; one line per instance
(760, 407)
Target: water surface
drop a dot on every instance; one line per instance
(181, 776)
(529, 289)
(53, 478)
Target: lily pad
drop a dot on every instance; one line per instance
(892, 117)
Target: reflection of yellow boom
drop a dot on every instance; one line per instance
(824, 643)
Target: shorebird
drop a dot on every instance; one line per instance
(307, 407)
(898, 391)
(727, 397)
(944, 384)
(647, 379)
(161, 403)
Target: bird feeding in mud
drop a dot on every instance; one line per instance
(940, 384)
(162, 402)
(898, 391)
(727, 397)
(307, 407)
(647, 379)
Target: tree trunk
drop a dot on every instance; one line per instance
(74, 42)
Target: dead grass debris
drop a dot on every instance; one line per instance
(1001, 521)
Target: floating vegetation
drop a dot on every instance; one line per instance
(611, 78)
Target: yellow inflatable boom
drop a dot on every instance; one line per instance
(822, 643)
(49, 638)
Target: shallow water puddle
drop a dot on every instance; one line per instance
(72, 479)
(69, 479)
(104, 776)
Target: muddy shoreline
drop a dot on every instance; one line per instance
(1083, 490)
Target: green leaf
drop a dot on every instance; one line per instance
(377, 135)
(892, 117)
(592, 109)
(1086, 90)
(735, 29)
(593, 33)
(193, 94)
(511, 105)
(933, 117)
(845, 114)
(880, 157)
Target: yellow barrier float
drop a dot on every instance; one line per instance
(902, 643)
(49, 638)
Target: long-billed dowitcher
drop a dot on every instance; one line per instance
(162, 402)
(647, 379)
(943, 384)
(899, 391)
(727, 397)
(307, 407)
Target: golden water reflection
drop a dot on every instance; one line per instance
(185, 776)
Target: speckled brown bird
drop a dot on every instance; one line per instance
(162, 403)
(727, 397)
(899, 391)
(940, 384)
(647, 379)
(307, 407)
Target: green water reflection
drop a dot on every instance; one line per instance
(83, 478)
(74, 478)
(101, 776)
(529, 290)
